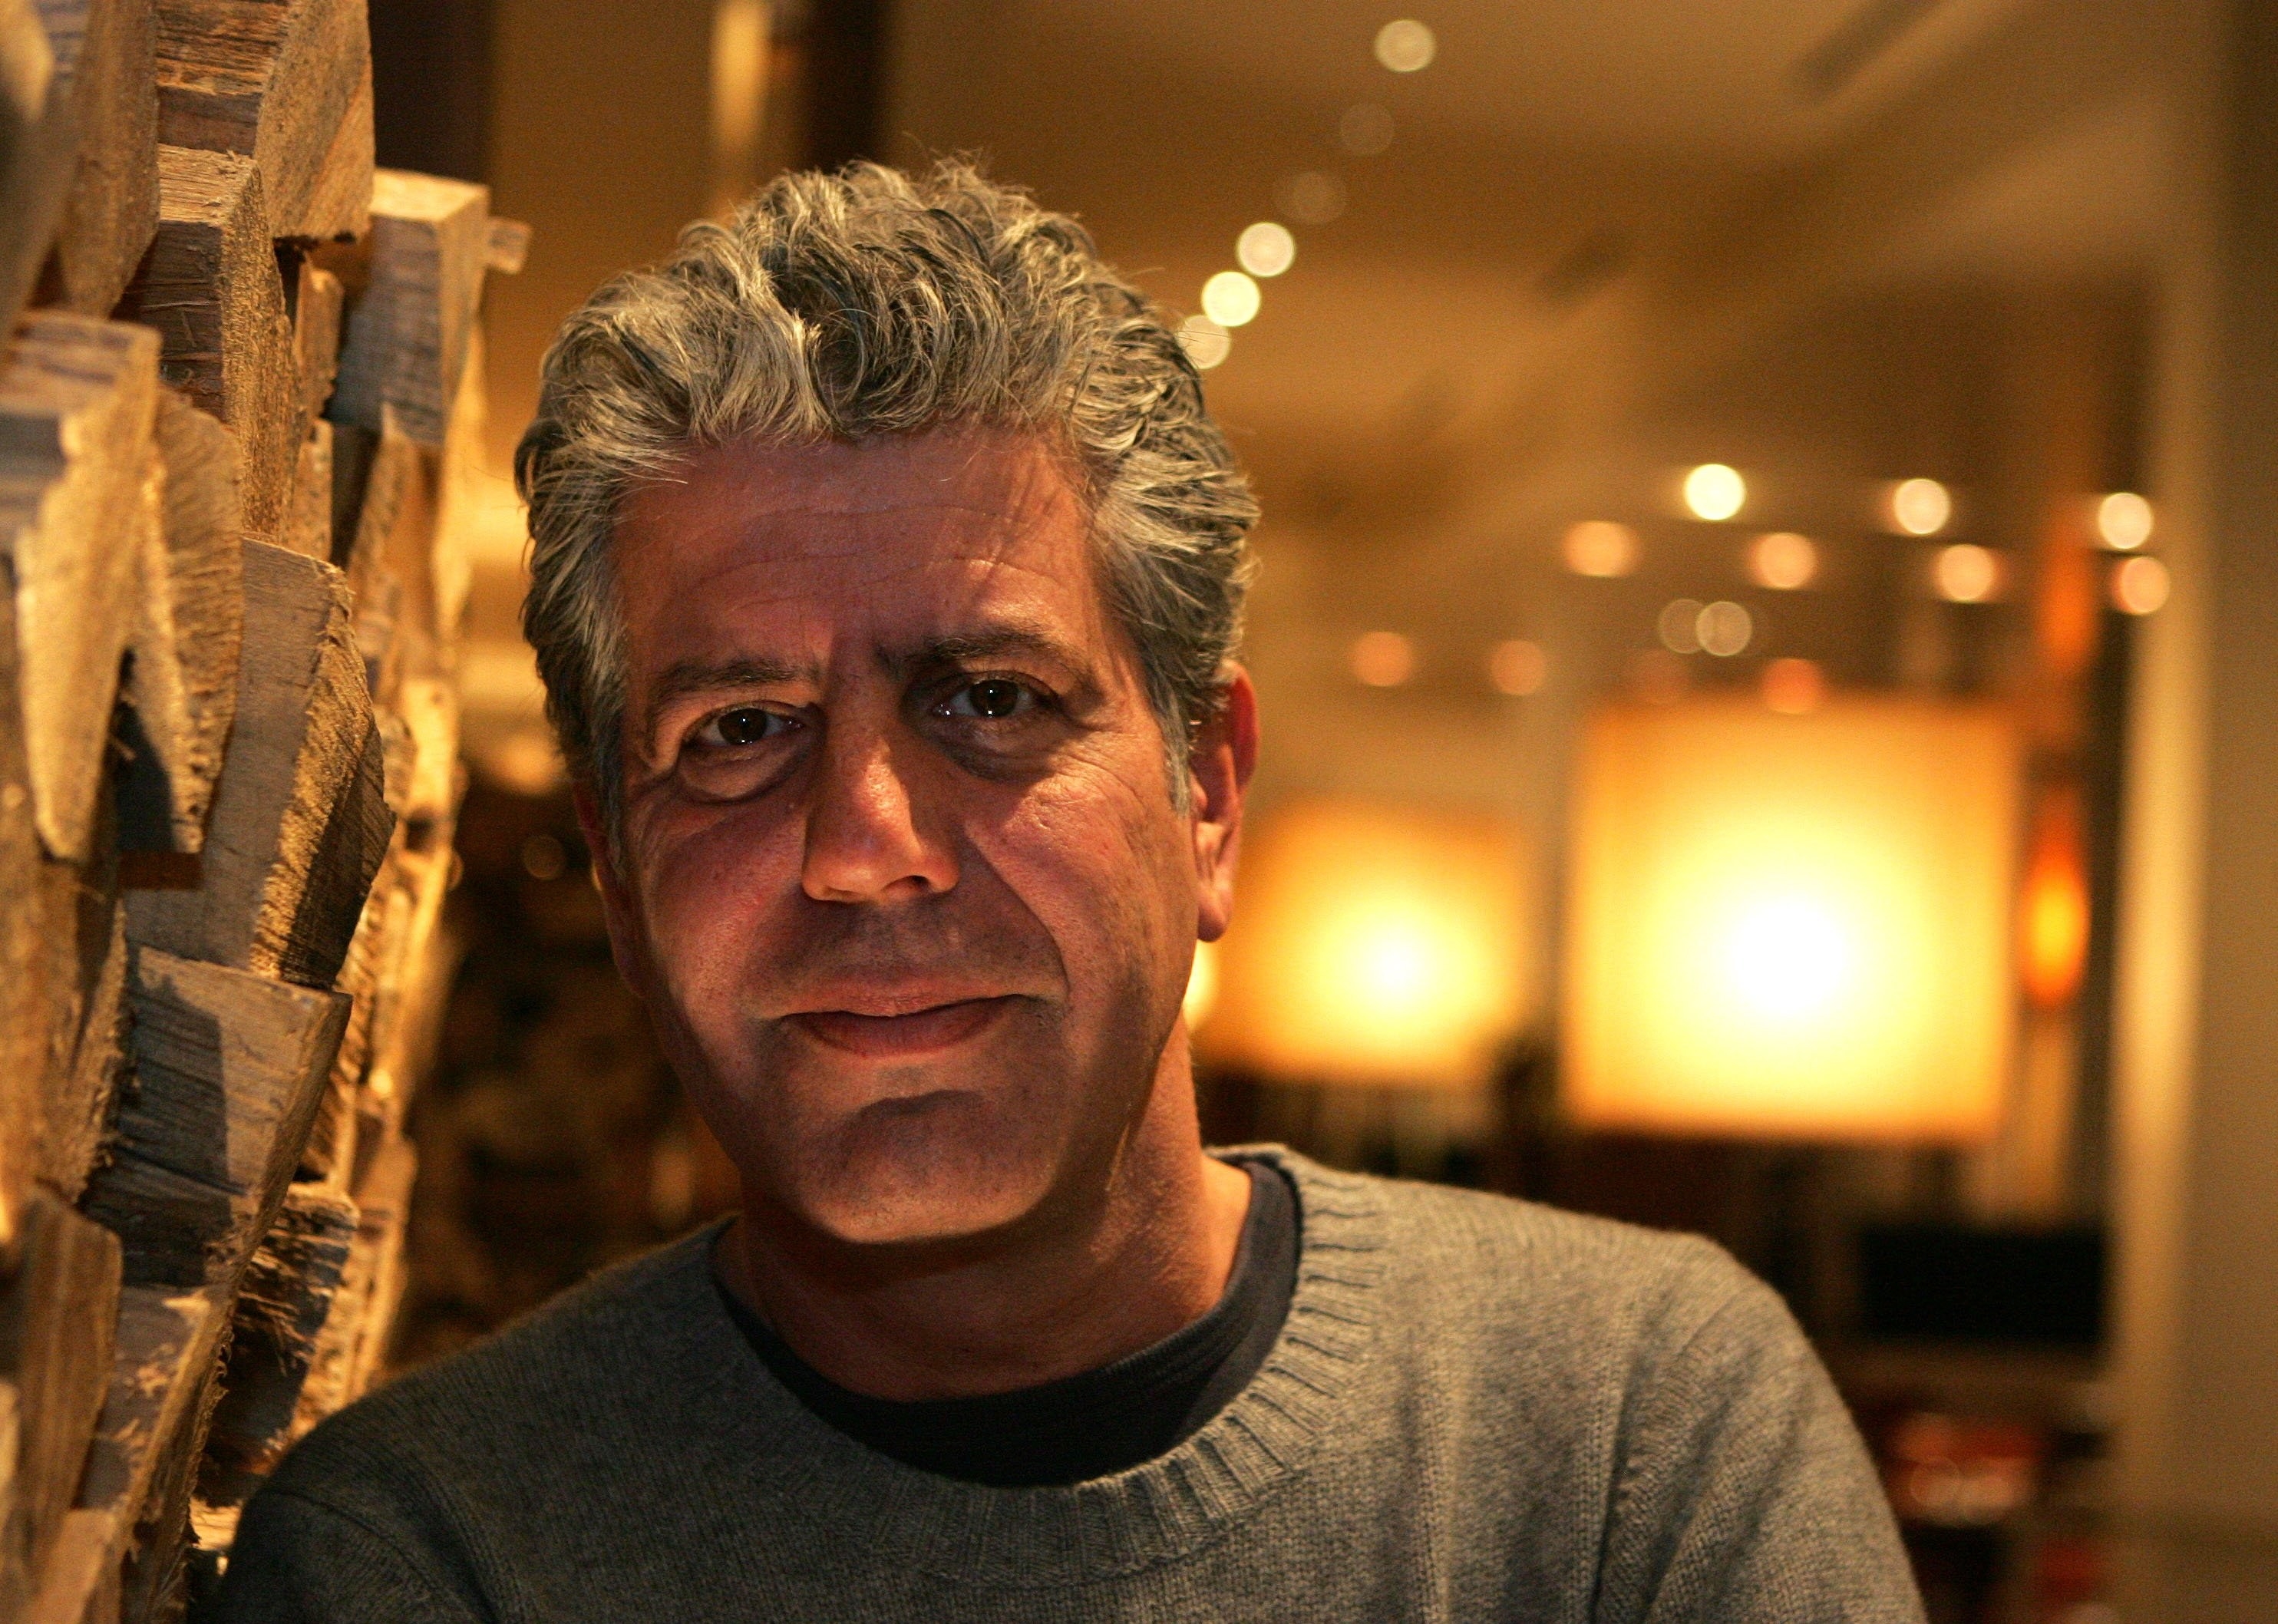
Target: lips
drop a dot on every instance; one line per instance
(915, 1033)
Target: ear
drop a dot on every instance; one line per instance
(617, 909)
(1224, 756)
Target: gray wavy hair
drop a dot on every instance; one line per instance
(841, 307)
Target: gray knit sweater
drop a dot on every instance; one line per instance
(1478, 1409)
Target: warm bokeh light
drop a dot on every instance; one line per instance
(1266, 249)
(1967, 573)
(1782, 560)
(1715, 491)
(1659, 677)
(1383, 659)
(2140, 586)
(1405, 46)
(1794, 687)
(1372, 944)
(1602, 548)
(1205, 342)
(1312, 196)
(1678, 626)
(1724, 629)
(1230, 299)
(1366, 129)
(2053, 920)
(1791, 926)
(1201, 986)
(1517, 668)
(2123, 520)
(1918, 507)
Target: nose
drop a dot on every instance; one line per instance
(866, 839)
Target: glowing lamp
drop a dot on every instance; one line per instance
(1791, 926)
(1371, 944)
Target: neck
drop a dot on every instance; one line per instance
(1100, 1271)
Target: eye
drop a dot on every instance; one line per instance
(746, 725)
(991, 698)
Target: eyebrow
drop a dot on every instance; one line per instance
(704, 677)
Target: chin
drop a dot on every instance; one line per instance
(940, 1167)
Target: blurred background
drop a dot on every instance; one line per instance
(1765, 640)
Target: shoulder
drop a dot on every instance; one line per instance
(564, 1381)
(1470, 1268)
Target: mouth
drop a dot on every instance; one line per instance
(901, 1036)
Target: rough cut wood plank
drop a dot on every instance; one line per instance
(81, 1098)
(407, 334)
(317, 302)
(506, 246)
(229, 1067)
(352, 1347)
(38, 135)
(309, 520)
(286, 83)
(189, 629)
(385, 1207)
(329, 1157)
(72, 1031)
(55, 1321)
(27, 999)
(81, 1583)
(299, 821)
(161, 1376)
(281, 1309)
(76, 402)
(462, 482)
(107, 49)
(342, 192)
(211, 286)
(415, 985)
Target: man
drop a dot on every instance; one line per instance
(887, 577)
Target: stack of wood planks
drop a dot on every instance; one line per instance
(239, 425)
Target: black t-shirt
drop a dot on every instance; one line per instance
(1092, 1425)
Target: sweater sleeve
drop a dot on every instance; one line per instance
(296, 1560)
(1744, 1495)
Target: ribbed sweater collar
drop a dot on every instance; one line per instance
(1157, 1512)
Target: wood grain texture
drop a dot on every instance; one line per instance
(77, 399)
(188, 634)
(352, 1349)
(81, 1098)
(211, 286)
(27, 1001)
(55, 1321)
(38, 151)
(112, 209)
(281, 1309)
(300, 820)
(318, 303)
(309, 517)
(161, 1380)
(286, 83)
(229, 1067)
(408, 333)
(329, 1157)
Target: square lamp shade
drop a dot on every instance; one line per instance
(1792, 927)
(1371, 944)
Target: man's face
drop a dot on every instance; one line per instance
(900, 872)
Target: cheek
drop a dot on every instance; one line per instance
(707, 879)
(1104, 869)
